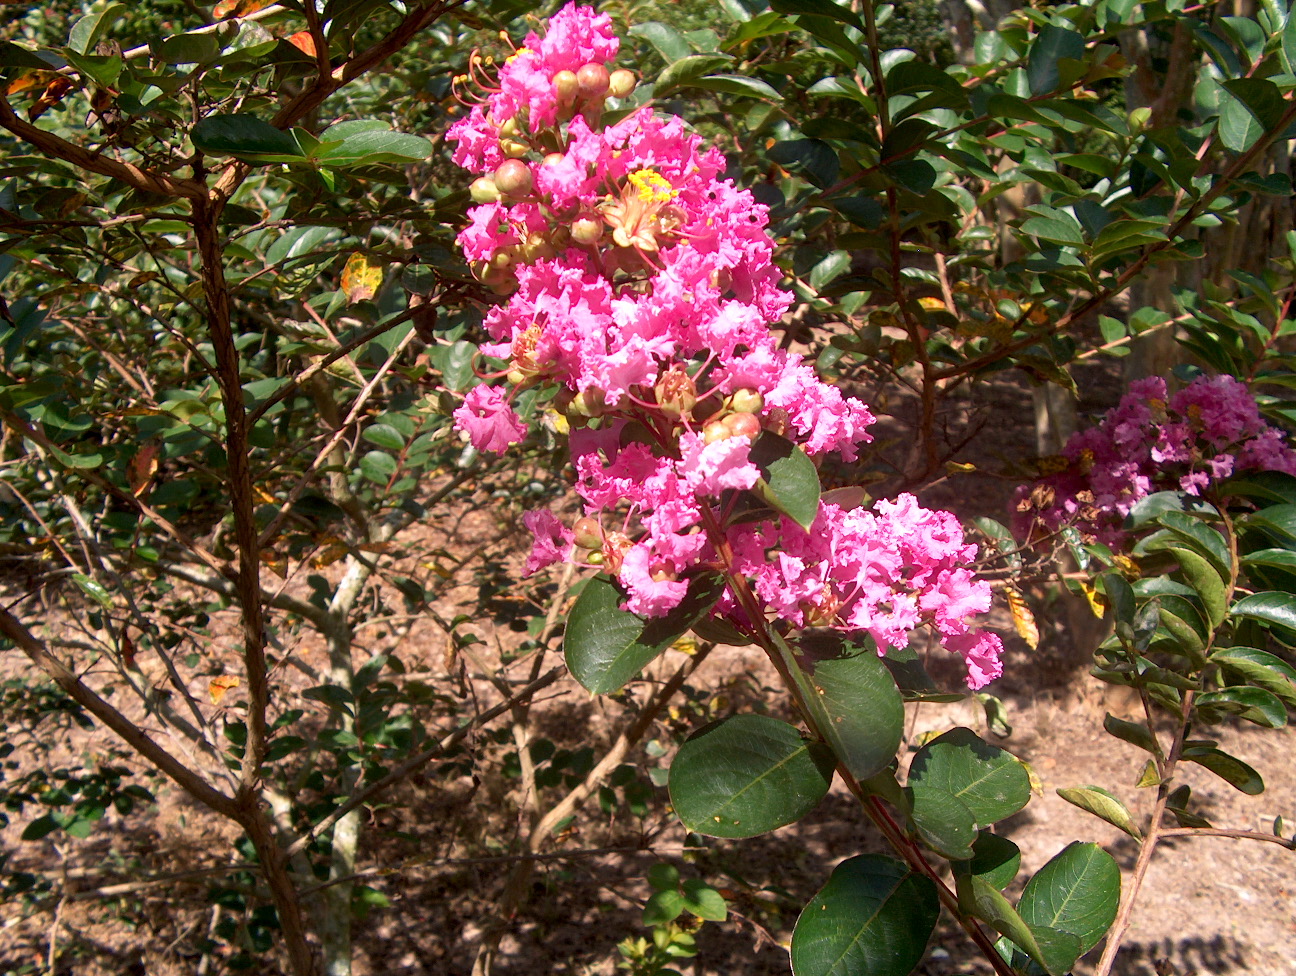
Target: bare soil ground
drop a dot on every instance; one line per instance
(441, 851)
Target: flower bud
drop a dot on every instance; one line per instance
(501, 258)
(746, 401)
(588, 403)
(509, 129)
(742, 424)
(621, 83)
(586, 230)
(587, 533)
(484, 190)
(516, 377)
(513, 177)
(565, 86)
(715, 431)
(592, 80)
(513, 148)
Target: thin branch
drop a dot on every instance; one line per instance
(13, 629)
(1286, 842)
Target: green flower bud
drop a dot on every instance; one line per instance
(746, 401)
(621, 83)
(513, 178)
(566, 85)
(484, 190)
(592, 80)
(586, 230)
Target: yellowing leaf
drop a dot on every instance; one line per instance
(304, 42)
(274, 562)
(1022, 617)
(219, 685)
(141, 470)
(1095, 599)
(361, 277)
(329, 555)
(238, 8)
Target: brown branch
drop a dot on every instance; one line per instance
(1235, 834)
(128, 173)
(135, 737)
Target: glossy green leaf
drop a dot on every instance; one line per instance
(943, 821)
(704, 901)
(87, 31)
(819, 8)
(663, 907)
(872, 918)
(737, 85)
(367, 144)
(244, 137)
(854, 703)
(385, 436)
(1270, 608)
(789, 480)
(670, 44)
(1051, 45)
(995, 859)
(1135, 733)
(1255, 705)
(1228, 768)
(1077, 892)
(1260, 668)
(606, 646)
(1200, 536)
(1103, 805)
(988, 780)
(1205, 579)
(977, 897)
(747, 775)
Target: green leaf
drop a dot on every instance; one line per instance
(943, 821)
(704, 901)
(683, 72)
(1050, 46)
(370, 146)
(737, 85)
(385, 436)
(1056, 226)
(93, 589)
(829, 268)
(1260, 668)
(1288, 44)
(1204, 539)
(1135, 733)
(872, 918)
(812, 158)
(86, 32)
(1228, 768)
(995, 860)
(854, 703)
(988, 780)
(606, 646)
(244, 137)
(1252, 704)
(379, 467)
(40, 827)
(978, 897)
(747, 775)
(1269, 608)
(663, 907)
(186, 49)
(818, 8)
(1076, 892)
(1102, 805)
(670, 44)
(789, 480)
(1248, 108)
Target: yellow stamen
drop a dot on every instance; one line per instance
(652, 186)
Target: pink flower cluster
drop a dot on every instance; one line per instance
(1153, 442)
(640, 283)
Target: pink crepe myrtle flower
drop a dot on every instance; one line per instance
(552, 540)
(1151, 442)
(489, 420)
(641, 283)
